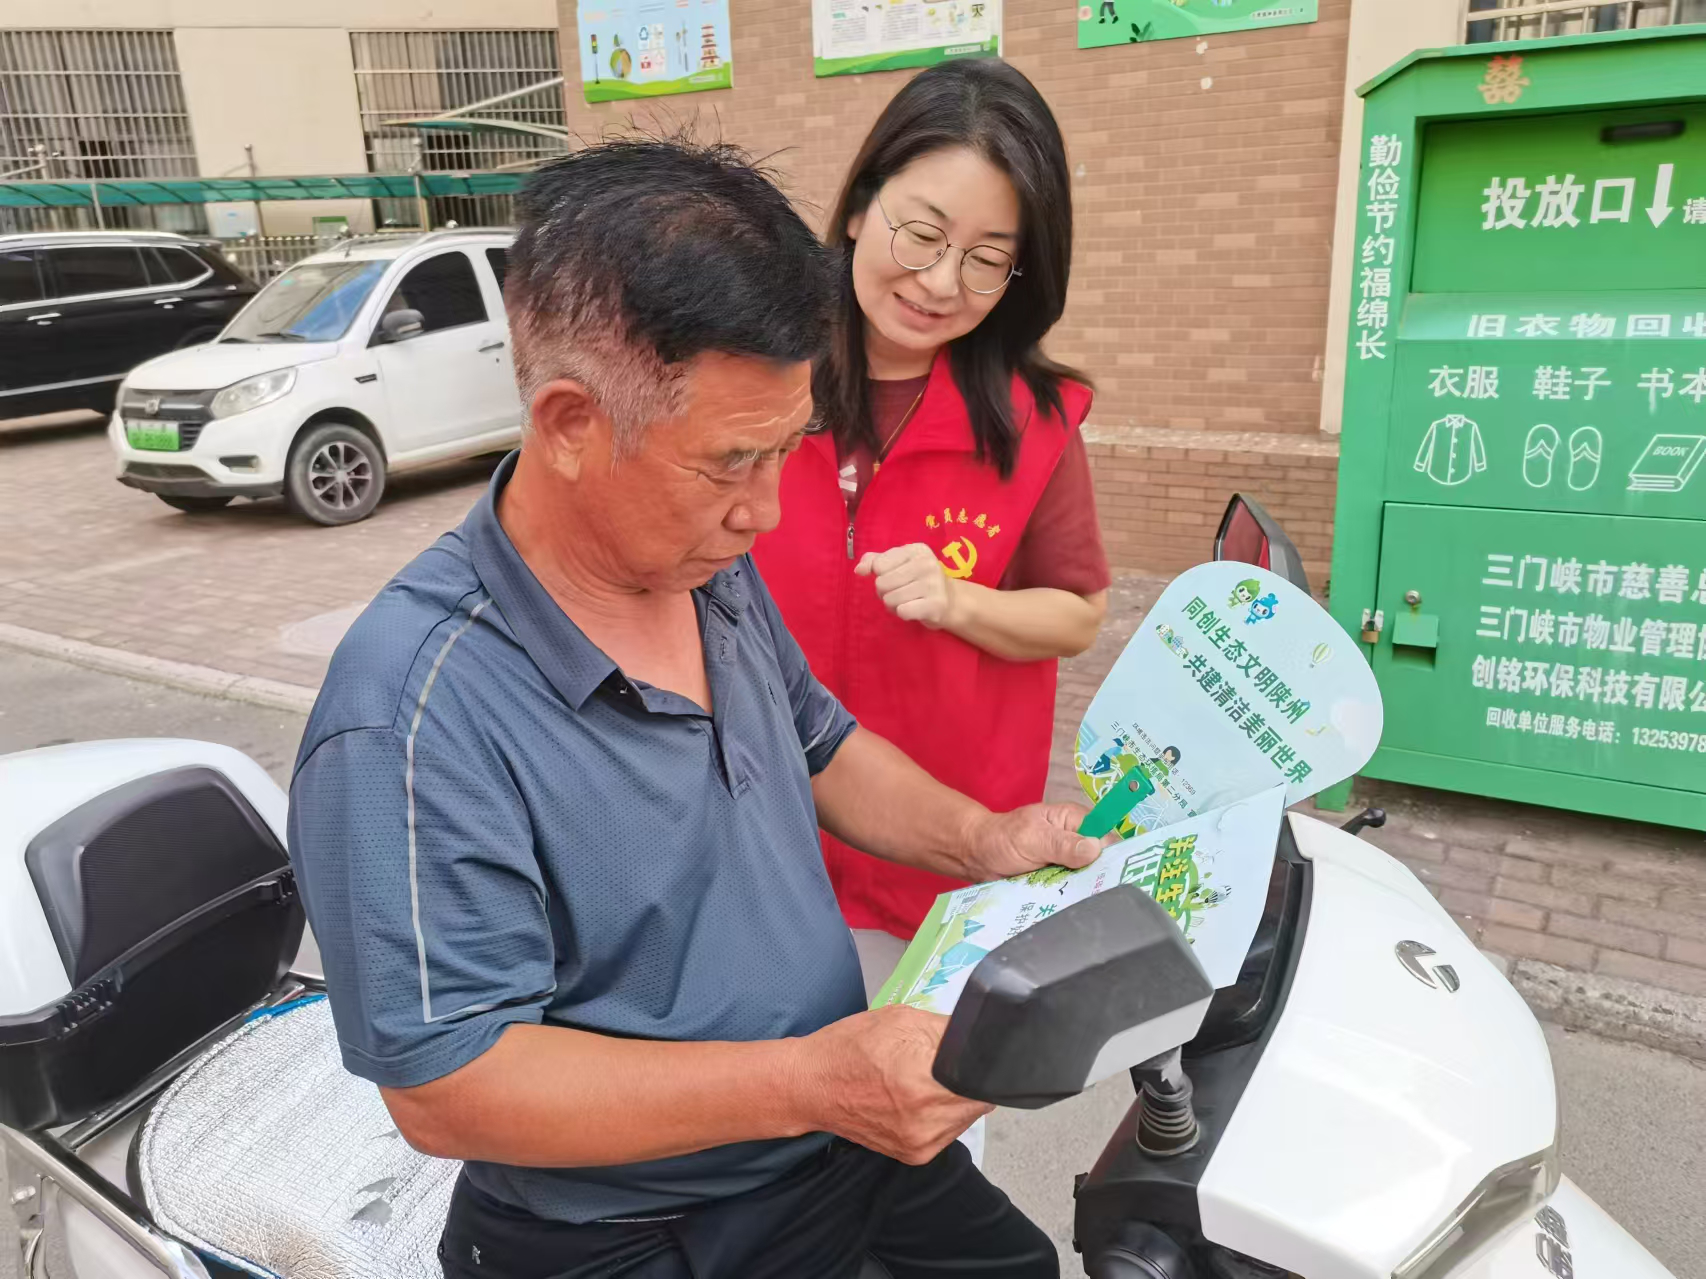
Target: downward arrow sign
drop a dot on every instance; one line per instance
(1661, 209)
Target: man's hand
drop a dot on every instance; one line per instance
(867, 1078)
(912, 584)
(917, 821)
(1002, 844)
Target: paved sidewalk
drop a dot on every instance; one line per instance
(239, 590)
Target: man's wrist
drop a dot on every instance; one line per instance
(801, 1087)
(973, 838)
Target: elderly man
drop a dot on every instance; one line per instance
(555, 812)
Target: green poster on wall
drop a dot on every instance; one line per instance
(652, 48)
(850, 38)
(1104, 22)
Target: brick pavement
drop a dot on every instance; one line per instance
(88, 559)
(255, 591)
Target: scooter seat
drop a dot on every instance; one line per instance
(267, 1155)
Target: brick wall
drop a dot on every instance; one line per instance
(1160, 493)
(1204, 180)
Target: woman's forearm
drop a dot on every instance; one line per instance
(1024, 626)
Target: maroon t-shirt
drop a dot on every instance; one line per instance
(1061, 546)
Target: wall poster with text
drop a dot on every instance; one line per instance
(652, 48)
(854, 36)
(1105, 22)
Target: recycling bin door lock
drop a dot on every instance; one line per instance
(1372, 624)
(1415, 634)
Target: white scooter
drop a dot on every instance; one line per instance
(1371, 1100)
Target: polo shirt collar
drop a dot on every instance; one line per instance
(575, 665)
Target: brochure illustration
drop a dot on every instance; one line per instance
(1209, 872)
(1237, 696)
(1234, 681)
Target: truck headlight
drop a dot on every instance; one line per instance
(253, 392)
(1506, 1195)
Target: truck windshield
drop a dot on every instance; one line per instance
(313, 302)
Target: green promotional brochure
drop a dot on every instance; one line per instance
(653, 48)
(1237, 696)
(1105, 22)
(886, 35)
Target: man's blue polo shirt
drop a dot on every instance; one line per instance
(491, 824)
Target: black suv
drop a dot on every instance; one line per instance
(80, 309)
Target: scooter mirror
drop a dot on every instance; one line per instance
(1107, 983)
(1249, 535)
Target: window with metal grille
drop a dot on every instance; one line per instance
(1493, 20)
(402, 75)
(94, 104)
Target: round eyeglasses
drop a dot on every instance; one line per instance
(918, 246)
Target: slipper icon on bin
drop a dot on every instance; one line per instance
(1586, 448)
(1537, 454)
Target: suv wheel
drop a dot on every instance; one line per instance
(193, 504)
(335, 474)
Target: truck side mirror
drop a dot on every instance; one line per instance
(1249, 535)
(1107, 983)
(398, 326)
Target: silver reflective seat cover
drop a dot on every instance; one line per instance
(268, 1155)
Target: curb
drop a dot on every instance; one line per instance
(1612, 1007)
(271, 693)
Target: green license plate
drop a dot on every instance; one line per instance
(162, 436)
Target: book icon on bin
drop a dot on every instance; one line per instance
(1668, 463)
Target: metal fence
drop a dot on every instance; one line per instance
(94, 104)
(402, 75)
(1488, 21)
(261, 257)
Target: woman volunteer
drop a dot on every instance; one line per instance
(938, 550)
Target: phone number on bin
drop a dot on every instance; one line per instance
(1671, 741)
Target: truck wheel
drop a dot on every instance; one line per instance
(335, 474)
(193, 504)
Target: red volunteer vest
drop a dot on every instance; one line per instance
(974, 721)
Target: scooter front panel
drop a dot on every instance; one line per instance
(1570, 1238)
(1384, 1096)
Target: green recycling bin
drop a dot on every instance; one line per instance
(1521, 518)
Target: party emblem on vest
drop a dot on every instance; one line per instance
(959, 557)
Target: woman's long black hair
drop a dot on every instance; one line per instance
(988, 107)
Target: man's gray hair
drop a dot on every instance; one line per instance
(582, 338)
(636, 256)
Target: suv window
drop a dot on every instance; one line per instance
(499, 259)
(19, 279)
(443, 289)
(175, 266)
(100, 268)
